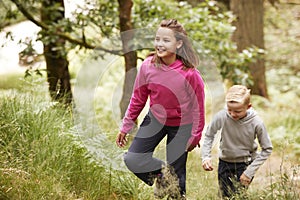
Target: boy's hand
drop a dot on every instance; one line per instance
(207, 165)
(245, 180)
(121, 139)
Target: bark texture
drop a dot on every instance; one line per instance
(249, 32)
(55, 54)
(130, 56)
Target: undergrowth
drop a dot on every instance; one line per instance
(42, 158)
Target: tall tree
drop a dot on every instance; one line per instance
(52, 12)
(58, 76)
(130, 56)
(249, 32)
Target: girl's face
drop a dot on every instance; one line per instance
(237, 110)
(166, 45)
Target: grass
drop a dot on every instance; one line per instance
(41, 157)
(44, 156)
(11, 81)
(271, 182)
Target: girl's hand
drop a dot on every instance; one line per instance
(121, 139)
(207, 165)
(191, 144)
(245, 180)
(191, 147)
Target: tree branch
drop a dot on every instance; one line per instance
(65, 36)
(22, 9)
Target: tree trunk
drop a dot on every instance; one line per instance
(58, 75)
(130, 56)
(226, 3)
(249, 32)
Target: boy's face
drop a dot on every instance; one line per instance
(237, 110)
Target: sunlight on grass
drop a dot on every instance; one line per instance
(40, 156)
(11, 81)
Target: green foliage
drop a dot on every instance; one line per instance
(9, 14)
(209, 29)
(287, 129)
(282, 42)
(282, 62)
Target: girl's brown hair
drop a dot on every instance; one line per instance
(186, 52)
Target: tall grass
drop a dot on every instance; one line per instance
(41, 158)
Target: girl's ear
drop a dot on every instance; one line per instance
(249, 105)
(179, 44)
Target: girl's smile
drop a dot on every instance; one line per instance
(166, 45)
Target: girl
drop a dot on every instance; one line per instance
(176, 92)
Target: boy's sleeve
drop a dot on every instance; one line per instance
(266, 150)
(210, 134)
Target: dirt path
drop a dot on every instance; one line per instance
(273, 171)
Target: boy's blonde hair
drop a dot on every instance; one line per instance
(238, 93)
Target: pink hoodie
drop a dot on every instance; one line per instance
(176, 97)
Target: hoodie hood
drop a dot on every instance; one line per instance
(176, 65)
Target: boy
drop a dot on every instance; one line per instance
(238, 157)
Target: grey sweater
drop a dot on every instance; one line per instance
(238, 140)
